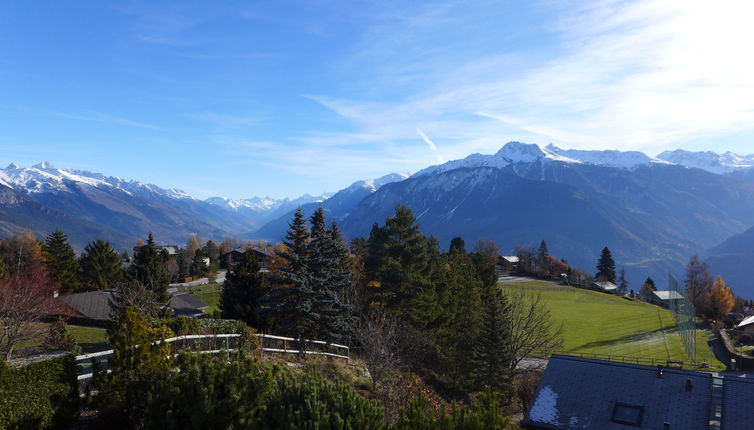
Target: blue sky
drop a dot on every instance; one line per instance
(286, 97)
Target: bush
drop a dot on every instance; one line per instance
(59, 338)
(39, 396)
(208, 392)
(308, 402)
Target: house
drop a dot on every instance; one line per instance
(579, 393)
(232, 258)
(96, 307)
(664, 298)
(187, 305)
(508, 263)
(747, 325)
(605, 286)
(93, 307)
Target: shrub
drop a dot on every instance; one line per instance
(208, 392)
(39, 396)
(309, 402)
(59, 338)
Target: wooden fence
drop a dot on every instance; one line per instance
(216, 343)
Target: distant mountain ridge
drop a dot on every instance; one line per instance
(652, 213)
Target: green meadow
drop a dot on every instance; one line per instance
(599, 323)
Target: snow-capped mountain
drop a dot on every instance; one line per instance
(106, 204)
(336, 207)
(728, 162)
(46, 178)
(608, 158)
(513, 153)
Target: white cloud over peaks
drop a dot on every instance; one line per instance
(643, 75)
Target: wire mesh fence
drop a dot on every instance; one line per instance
(684, 313)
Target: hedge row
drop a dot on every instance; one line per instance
(42, 395)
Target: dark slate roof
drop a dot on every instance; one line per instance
(95, 305)
(186, 304)
(243, 250)
(738, 397)
(578, 393)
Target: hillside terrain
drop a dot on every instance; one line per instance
(598, 323)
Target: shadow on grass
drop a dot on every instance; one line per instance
(636, 337)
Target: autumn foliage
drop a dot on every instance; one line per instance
(721, 298)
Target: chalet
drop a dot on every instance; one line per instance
(665, 298)
(578, 393)
(232, 258)
(605, 286)
(507, 263)
(96, 307)
(747, 325)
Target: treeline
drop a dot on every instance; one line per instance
(404, 304)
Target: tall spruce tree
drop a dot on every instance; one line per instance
(100, 266)
(457, 245)
(491, 353)
(400, 259)
(462, 316)
(293, 303)
(606, 266)
(61, 260)
(622, 283)
(330, 276)
(243, 292)
(542, 252)
(149, 269)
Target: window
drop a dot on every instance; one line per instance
(627, 414)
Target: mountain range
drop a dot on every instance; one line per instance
(653, 212)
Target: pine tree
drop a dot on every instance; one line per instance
(401, 260)
(491, 354)
(149, 269)
(330, 276)
(243, 292)
(61, 261)
(100, 266)
(457, 245)
(543, 252)
(293, 302)
(622, 283)
(606, 267)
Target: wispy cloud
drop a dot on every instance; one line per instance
(429, 143)
(641, 75)
(88, 116)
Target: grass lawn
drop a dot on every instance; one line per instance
(90, 339)
(209, 294)
(599, 323)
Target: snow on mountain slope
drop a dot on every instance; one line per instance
(710, 161)
(609, 158)
(46, 178)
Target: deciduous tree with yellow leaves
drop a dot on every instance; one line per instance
(721, 299)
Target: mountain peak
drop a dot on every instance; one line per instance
(45, 165)
(12, 166)
(520, 152)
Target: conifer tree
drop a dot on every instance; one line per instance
(149, 269)
(457, 245)
(243, 292)
(293, 301)
(100, 266)
(492, 354)
(330, 277)
(400, 259)
(622, 283)
(543, 252)
(606, 266)
(61, 261)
